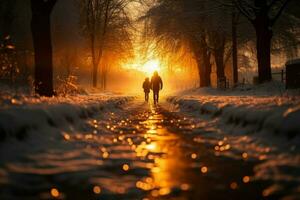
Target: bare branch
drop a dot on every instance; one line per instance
(243, 10)
(273, 21)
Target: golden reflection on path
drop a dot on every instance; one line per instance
(170, 163)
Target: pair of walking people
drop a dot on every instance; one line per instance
(155, 85)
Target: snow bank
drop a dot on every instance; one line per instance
(272, 113)
(20, 114)
(274, 89)
(255, 123)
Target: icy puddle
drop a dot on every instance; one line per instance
(138, 152)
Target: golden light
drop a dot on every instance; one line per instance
(155, 193)
(185, 187)
(266, 192)
(246, 179)
(54, 192)
(151, 66)
(164, 191)
(125, 167)
(233, 185)
(245, 155)
(151, 146)
(97, 190)
(204, 169)
(105, 155)
(194, 156)
(67, 136)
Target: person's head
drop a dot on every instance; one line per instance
(155, 73)
(146, 79)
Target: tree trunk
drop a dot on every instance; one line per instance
(202, 74)
(219, 59)
(203, 62)
(234, 49)
(105, 78)
(207, 68)
(41, 34)
(264, 37)
(202, 57)
(94, 62)
(263, 31)
(219, 51)
(204, 69)
(95, 75)
(102, 76)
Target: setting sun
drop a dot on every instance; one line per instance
(151, 66)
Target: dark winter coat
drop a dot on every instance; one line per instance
(147, 86)
(156, 83)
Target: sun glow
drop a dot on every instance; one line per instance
(151, 66)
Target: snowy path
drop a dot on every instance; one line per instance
(133, 152)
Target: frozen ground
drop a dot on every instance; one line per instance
(259, 109)
(261, 123)
(23, 113)
(201, 144)
(135, 152)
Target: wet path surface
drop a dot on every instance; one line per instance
(137, 152)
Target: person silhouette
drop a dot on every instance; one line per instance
(156, 86)
(146, 87)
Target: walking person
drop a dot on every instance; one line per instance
(146, 87)
(156, 86)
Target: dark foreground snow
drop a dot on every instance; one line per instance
(248, 124)
(20, 115)
(202, 144)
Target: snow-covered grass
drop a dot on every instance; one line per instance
(259, 123)
(266, 107)
(20, 113)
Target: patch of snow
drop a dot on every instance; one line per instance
(274, 89)
(257, 124)
(276, 114)
(21, 113)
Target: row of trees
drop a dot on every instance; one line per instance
(212, 30)
(104, 26)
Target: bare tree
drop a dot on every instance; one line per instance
(234, 38)
(198, 24)
(203, 55)
(219, 31)
(100, 20)
(210, 30)
(41, 34)
(263, 14)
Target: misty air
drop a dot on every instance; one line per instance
(149, 99)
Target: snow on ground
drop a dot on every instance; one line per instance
(262, 107)
(259, 123)
(22, 113)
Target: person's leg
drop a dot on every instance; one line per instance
(154, 96)
(147, 96)
(157, 96)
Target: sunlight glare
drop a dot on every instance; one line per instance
(151, 66)
(54, 192)
(97, 189)
(151, 147)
